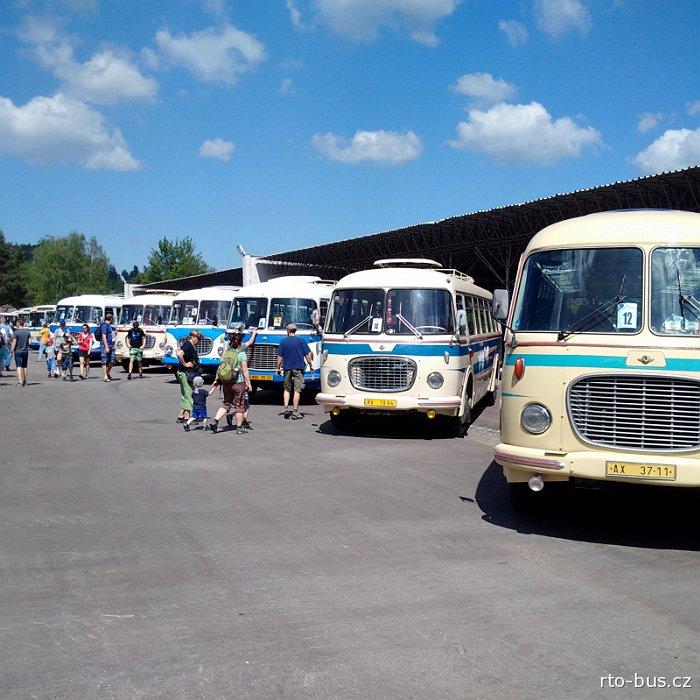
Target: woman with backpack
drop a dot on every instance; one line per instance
(187, 370)
(234, 379)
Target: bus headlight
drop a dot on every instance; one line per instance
(333, 378)
(161, 346)
(535, 418)
(120, 344)
(435, 380)
(220, 351)
(168, 350)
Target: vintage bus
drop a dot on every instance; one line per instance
(39, 315)
(408, 336)
(205, 309)
(601, 380)
(86, 308)
(152, 311)
(269, 307)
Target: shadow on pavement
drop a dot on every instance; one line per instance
(653, 517)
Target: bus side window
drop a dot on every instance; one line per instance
(323, 311)
(488, 319)
(472, 316)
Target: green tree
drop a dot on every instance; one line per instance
(173, 259)
(13, 288)
(65, 266)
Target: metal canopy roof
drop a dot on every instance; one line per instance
(484, 244)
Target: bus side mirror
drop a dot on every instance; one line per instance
(500, 304)
(315, 317)
(461, 321)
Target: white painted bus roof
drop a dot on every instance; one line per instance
(150, 300)
(92, 300)
(206, 294)
(408, 278)
(299, 287)
(631, 227)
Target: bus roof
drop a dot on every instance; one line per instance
(411, 278)
(150, 299)
(206, 294)
(626, 227)
(293, 286)
(92, 300)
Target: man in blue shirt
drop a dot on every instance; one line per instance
(293, 354)
(107, 342)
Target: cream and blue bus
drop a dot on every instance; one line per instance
(86, 308)
(269, 307)
(206, 309)
(38, 315)
(601, 381)
(408, 336)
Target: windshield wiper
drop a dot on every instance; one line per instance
(580, 325)
(357, 327)
(410, 326)
(686, 301)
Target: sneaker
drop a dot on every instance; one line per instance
(214, 425)
(240, 431)
(247, 424)
(229, 419)
(206, 427)
(65, 379)
(296, 415)
(140, 375)
(128, 376)
(50, 375)
(179, 419)
(82, 376)
(186, 427)
(287, 412)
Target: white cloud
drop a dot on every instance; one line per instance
(212, 55)
(387, 147)
(559, 17)
(647, 122)
(523, 133)
(294, 14)
(62, 129)
(108, 77)
(515, 31)
(217, 148)
(483, 88)
(286, 87)
(673, 150)
(693, 108)
(361, 19)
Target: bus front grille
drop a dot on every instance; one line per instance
(637, 412)
(203, 347)
(150, 342)
(382, 373)
(262, 356)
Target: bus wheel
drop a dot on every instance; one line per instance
(343, 420)
(458, 425)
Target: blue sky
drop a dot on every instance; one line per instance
(285, 123)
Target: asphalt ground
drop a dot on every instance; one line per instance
(139, 560)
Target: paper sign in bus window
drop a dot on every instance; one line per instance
(277, 322)
(376, 325)
(627, 316)
(261, 323)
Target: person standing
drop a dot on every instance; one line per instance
(107, 342)
(135, 338)
(238, 328)
(187, 370)
(44, 335)
(58, 335)
(84, 349)
(293, 354)
(234, 379)
(67, 357)
(51, 367)
(5, 352)
(20, 349)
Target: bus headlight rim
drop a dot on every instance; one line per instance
(333, 378)
(168, 350)
(535, 418)
(435, 380)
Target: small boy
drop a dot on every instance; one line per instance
(199, 405)
(50, 352)
(66, 348)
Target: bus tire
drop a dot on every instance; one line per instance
(343, 420)
(458, 425)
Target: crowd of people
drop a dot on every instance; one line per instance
(232, 380)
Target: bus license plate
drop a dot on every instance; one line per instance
(263, 377)
(664, 472)
(381, 403)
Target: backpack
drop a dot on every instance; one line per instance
(98, 333)
(228, 369)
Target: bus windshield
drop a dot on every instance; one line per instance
(63, 313)
(249, 312)
(213, 311)
(87, 314)
(581, 290)
(291, 310)
(131, 313)
(356, 311)
(184, 312)
(675, 291)
(155, 315)
(36, 318)
(427, 311)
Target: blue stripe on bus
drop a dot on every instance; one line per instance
(673, 364)
(408, 348)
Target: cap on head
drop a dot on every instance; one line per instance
(198, 382)
(291, 326)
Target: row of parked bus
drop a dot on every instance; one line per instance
(598, 359)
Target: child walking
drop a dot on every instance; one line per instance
(50, 352)
(67, 357)
(199, 405)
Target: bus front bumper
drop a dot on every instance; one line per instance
(519, 463)
(443, 405)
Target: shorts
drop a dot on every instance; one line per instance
(136, 354)
(199, 413)
(294, 380)
(67, 361)
(85, 354)
(21, 359)
(107, 356)
(234, 397)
